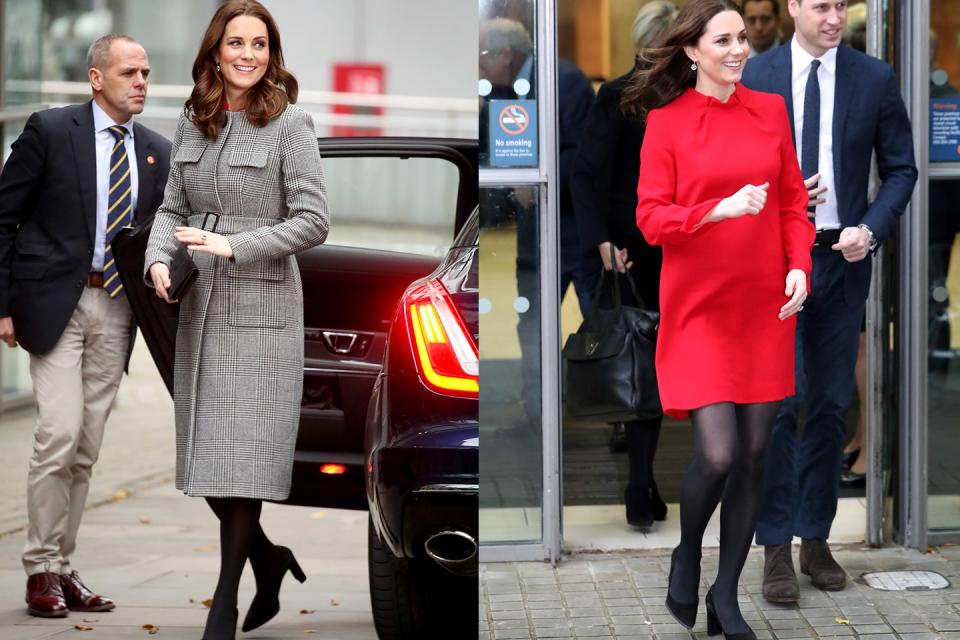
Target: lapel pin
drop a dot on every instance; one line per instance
(151, 160)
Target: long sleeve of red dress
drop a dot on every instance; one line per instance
(722, 283)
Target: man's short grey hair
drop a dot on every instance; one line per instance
(504, 33)
(652, 22)
(98, 55)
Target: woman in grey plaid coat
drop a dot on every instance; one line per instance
(243, 152)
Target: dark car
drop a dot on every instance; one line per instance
(422, 455)
(416, 195)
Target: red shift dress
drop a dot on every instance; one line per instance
(722, 284)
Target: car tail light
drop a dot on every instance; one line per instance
(446, 354)
(333, 469)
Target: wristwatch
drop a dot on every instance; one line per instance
(873, 237)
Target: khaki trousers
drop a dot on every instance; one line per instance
(75, 385)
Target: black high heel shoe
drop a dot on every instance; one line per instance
(266, 603)
(684, 612)
(715, 628)
(640, 512)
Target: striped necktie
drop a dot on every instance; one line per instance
(119, 208)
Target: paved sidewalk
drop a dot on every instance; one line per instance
(619, 596)
(157, 555)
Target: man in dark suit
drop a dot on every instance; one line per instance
(75, 176)
(843, 106)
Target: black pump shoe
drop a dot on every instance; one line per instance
(639, 510)
(715, 628)
(685, 613)
(266, 603)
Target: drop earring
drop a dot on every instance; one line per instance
(693, 67)
(218, 67)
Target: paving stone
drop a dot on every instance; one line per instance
(945, 624)
(910, 628)
(834, 630)
(508, 634)
(508, 615)
(793, 633)
(781, 614)
(866, 629)
(536, 614)
(925, 635)
(790, 623)
(518, 623)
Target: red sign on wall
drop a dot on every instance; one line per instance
(358, 78)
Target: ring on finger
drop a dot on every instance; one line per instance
(203, 238)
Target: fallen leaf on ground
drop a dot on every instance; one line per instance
(144, 519)
(207, 603)
(206, 548)
(307, 611)
(842, 621)
(152, 629)
(121, 494)
(309, 631)
(334, 603)
(317, 515)
(82, 627)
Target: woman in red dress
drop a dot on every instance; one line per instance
(720, 189)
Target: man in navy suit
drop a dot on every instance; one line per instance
(843, 106)
(75, 176)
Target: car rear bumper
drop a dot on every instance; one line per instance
(426, 484)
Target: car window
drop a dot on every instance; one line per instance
(392, 203)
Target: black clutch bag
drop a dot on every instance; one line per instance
(183, 270)
(611, 376)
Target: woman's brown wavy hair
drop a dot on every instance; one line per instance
(663, 71)
(267, 99)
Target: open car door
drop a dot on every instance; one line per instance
(396, 204)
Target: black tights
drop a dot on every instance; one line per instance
(642, 437)
(241, 537)
(730, 443)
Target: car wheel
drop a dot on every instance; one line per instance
(416, 599)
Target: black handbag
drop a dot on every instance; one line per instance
(183, 270)
(611, 376)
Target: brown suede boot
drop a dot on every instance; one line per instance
(779, 579)
(817, 562)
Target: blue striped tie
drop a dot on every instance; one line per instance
(119, 208)
(810, 140)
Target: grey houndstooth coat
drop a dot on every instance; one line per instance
(238, 370)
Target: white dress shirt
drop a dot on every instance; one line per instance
(104, 143)
(827, 214)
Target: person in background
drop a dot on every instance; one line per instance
(840, 101)
(246, 154)
(720, 189)
(604, 189)
(762, 18)
(75, 176)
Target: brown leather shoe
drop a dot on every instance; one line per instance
(80, 598)
(45, 597)
(779, 579)
(817, 562)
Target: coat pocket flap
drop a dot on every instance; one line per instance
(594, 346)
(271, 269)
(190, 151)
(249, 158)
